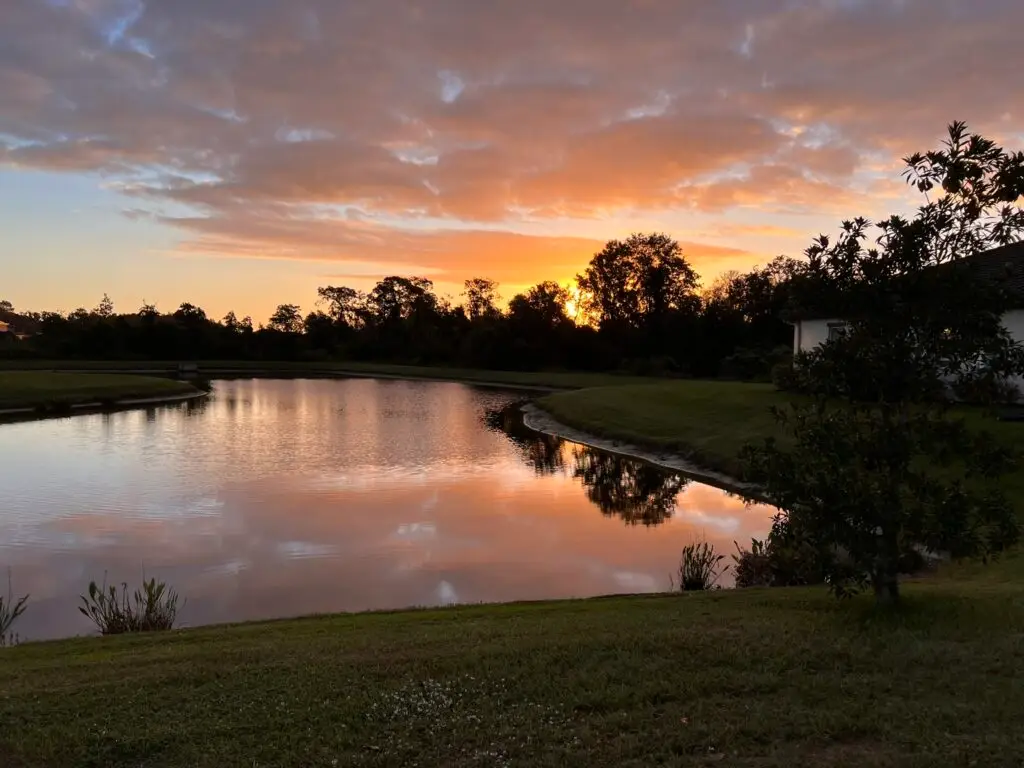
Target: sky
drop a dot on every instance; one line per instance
(237, 154)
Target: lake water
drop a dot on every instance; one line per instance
(285, 497)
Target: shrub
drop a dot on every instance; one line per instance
(770, 563)
(753, 567)
(785, 558)
(154, 607)
(753, 364)
(10, 610)
(987, 390)
(698, 567)
(864, 487)
(784, 377)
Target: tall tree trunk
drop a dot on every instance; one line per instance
(887, 586)
(885, 577)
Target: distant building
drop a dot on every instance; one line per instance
(814, 327)
(5, 327)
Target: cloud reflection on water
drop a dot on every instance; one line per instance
(283, 498)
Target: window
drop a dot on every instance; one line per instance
(836, 331)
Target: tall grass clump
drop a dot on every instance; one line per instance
(10, 610)
(698, 567)
(151, 608)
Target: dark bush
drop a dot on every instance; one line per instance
(785, 378)
(784, 559)
(152, 608)
(698, 567)
(10, 610)
(987, 390)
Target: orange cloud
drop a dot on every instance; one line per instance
(340, 130)
(361, 250)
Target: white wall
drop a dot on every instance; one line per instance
(1013, 321)
(807, 334)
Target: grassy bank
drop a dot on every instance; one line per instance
(46, 390)
(543, 379)
(710, 421)
(749, 678)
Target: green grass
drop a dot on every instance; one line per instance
(542, 379)
(44, 389)
(710, 421)
(742, 678)
(707, 420)
(748, 678)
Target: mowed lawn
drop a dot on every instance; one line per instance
(707, 420)
(30, 389)
(711, 421)
(759, 677)
(210, 368)
(739, 678)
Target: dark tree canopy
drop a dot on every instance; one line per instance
(544, 307)
(481, 298)
(656, 323)
(876, 469)
(344, 305)
(287, 318)
(638, 281)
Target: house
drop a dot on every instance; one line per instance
(814, 327)
(8, 331)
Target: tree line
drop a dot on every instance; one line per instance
(638, 306)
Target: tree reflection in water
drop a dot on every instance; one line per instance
(542, 452)
(638, 492)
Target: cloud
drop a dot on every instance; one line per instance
(339, 129)
(362, 251)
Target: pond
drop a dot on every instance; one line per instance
(286, 497)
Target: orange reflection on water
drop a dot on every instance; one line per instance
(346, 499)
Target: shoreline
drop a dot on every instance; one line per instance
(63, 410)
(539, 420)
(553, 381)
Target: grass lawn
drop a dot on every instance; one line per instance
(707, 420)
(710, 421)
(746, 678)
(544, 379)
(784, 677)
(43, 389)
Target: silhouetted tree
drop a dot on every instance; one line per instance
(190, 314)
(321, 331)
(399, 298)
(287, 318)
(344, 305)
(542, 308)
(105, 308)
(876, 467)
(636, 282)
(481, 298)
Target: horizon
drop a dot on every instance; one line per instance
(238, 157)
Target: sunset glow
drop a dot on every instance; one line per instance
(236, 155)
